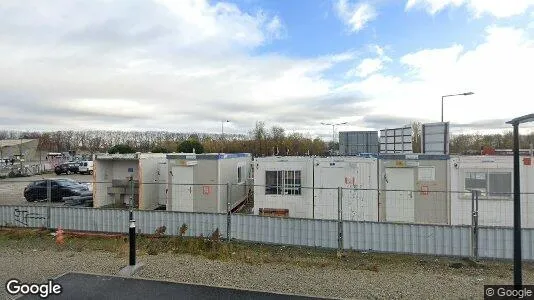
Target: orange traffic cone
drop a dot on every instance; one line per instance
(60, 239)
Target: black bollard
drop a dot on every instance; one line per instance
(132, 240)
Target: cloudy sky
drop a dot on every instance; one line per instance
(185, 65)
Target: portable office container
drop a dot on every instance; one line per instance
(198, 182)
(111, 173)
(493, 177)
(413, 188)
(356, 142)
(307, 187)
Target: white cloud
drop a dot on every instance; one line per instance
(370, 66)
(183, 65)
(497, 8)
(367, 66)
(186, 65)
(355, 16)
(275, 27)
(497, 71)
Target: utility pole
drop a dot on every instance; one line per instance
(20, 154)
(222, 134)
(333, 132)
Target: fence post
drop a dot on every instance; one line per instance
(474, 223)
(340, 219)
(49, 200)
(228, 212)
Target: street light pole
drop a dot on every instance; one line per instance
(452, 95)
(518, 280)
(222, 133)
(333, 134)
(20, 156)
(333, 131)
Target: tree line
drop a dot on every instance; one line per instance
(260, 141)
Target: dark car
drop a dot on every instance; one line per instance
(60, 188)
(67, 168)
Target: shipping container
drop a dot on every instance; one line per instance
(307, 187)
(199, 182)
(112, 188)
(413, 188)
(493, 177)
(357, 142)
(435, 138)
(396, 140)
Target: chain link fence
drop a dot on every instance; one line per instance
(342, 218)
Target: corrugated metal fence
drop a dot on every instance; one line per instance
(493, 242)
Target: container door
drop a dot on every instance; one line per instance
(400, 195)
(359, 201)
(182, 190)
(161, 181)
(326, 191)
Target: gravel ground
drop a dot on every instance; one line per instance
(11, 189)
(419, 278)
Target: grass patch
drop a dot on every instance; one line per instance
(213, 247)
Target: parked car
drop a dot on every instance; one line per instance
(60, 187)
(67, 168)
(86, 167)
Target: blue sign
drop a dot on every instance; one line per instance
(130, 170)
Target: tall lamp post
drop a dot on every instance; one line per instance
(445, 96)
(222, 133)
(518, 281)
(20, 154)
(333, 131)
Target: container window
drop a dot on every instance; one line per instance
(240, 174)
(271, 182)
(292, 183)
(490, 184)
(476, 181)
(282, 182)
(500, 184)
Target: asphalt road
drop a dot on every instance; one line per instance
(89, 286)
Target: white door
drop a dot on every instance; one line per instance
(326, 192)
(161, 181)
(400, 195)
(182, 190)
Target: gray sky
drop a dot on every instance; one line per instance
(179, 66)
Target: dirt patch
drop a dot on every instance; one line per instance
(209, 260)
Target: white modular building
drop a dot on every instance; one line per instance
(307, 187)
(413, 188)
(493, 177)
(199, 182)
(111, 173)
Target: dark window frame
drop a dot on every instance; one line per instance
(283, 182)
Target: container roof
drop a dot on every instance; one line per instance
(317, 158)
(207, 156)
(128, 156)
(414, 156)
